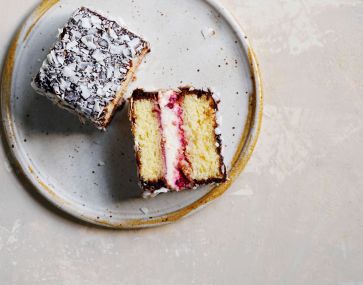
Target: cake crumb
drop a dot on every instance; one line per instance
(144, 210)
(208, 32)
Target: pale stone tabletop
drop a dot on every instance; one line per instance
(294, 216)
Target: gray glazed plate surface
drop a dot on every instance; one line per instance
(92, 174)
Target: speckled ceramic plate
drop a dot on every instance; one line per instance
(92, 174)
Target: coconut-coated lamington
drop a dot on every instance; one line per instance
(88, 69)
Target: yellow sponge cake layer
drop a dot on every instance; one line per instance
(147, 140)
(202, 148)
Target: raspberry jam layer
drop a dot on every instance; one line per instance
(173, 140)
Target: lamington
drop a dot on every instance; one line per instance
(90, 66)
(177, 139)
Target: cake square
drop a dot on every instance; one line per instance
(90, 66)
(177, 139)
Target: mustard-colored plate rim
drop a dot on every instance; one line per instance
(241, 157)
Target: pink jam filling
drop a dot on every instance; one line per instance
(174, 141)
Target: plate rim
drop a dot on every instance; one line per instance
(241, 157)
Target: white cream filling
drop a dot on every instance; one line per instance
(172, 143)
